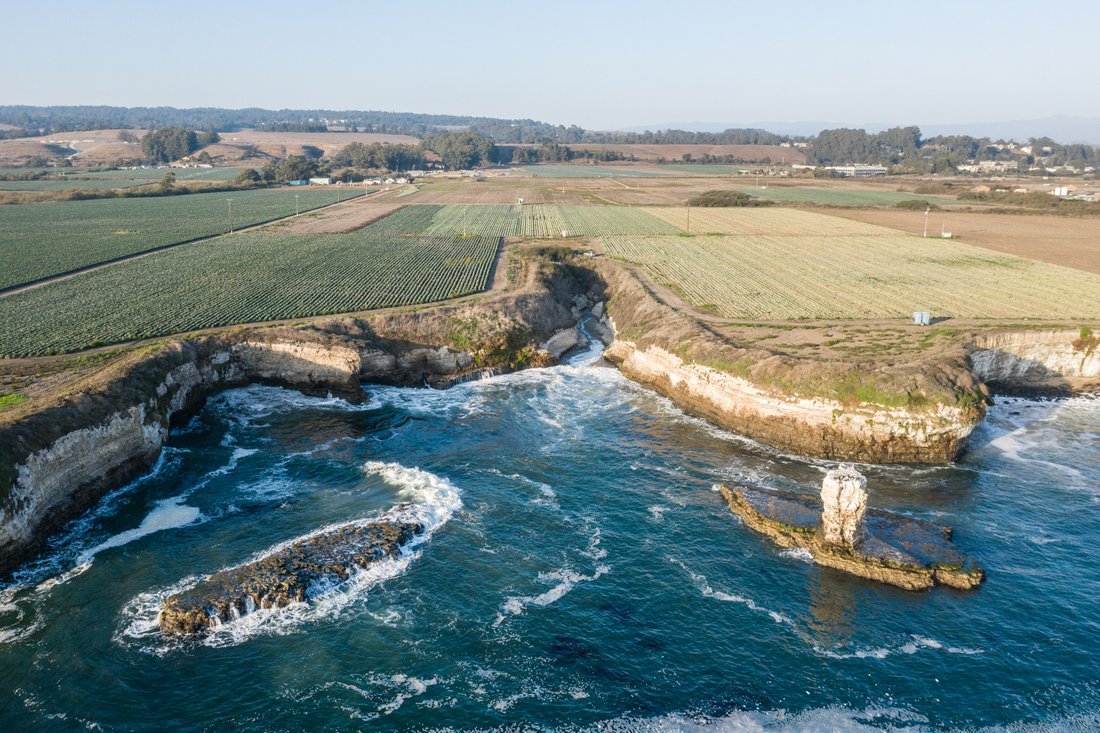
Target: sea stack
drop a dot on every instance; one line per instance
(843, 534)
(844, 501)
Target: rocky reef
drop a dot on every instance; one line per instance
(285, 576)
(841, 533)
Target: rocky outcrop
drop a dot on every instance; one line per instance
(908, 553)
(844, 502)
(313, 368)
(60, 457)
(73, 453)
(1041, 361)
(285, 576)
(808, 426)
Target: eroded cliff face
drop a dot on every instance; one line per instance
(60, 458)
(52, 483)
(1023, 359)
(815, 427)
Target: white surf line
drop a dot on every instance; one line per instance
(428, 500)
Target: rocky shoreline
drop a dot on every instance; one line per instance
(284, 577)
(841, 533)
(58, 456)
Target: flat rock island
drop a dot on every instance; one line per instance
(840, 532)
(285, 576)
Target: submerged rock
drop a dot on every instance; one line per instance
(283, 577)
(908, 553)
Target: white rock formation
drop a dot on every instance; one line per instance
(844, 494)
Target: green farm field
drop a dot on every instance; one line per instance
(531, 220)
(117, 179)
(241, 278)
(838, 196)
(795, 265)
(585, 171)
(42, 240)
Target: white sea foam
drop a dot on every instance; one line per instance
(428, 500)
(700, 582)
(914, 644)
(798, 553)
(564, 580)
(167, 514)
(657, 511)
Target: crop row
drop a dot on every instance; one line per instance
(533, 220)
(761, 221)
(242, 278)
(41, 240)
(857, 277)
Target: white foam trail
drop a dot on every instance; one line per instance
(700, 582)
(434, 500)
(819, 720)
(167, 514)
(565, 579)
(658, 512)
(912, 646)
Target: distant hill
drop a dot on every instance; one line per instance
(1065, 129)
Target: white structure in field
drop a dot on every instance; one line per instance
(320, 181)
(921, 318)
(858, 171)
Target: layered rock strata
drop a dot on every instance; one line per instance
(808, 426)
(908, 553)
(60, 457)
(283, 577)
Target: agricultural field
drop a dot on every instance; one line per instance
(241, 278)
(76, 179)
(760, 221)
(838, 196)
(43, 240)
(537, 220)
(789, 274)
(584, 171)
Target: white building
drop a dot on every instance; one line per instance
(859, 171)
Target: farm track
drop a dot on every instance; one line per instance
(145, 253)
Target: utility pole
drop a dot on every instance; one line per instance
(295, 205)
(463, 222)
(689, 220)
(230, 202)
(926, 210)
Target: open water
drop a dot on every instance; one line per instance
(580, 572)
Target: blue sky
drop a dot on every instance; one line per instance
(597, 64)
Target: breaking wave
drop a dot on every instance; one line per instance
(427, 499)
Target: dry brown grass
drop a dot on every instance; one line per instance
(1070, 242)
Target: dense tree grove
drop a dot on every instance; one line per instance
(379, 157)
(459, 150)
(173, 143)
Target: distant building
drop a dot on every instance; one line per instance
(858, 171)
(320, 181)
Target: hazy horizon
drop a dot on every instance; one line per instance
(599, 67)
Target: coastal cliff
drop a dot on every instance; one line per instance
(811, 426)
(916, 413)
(1045, 362)
(61, 452)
